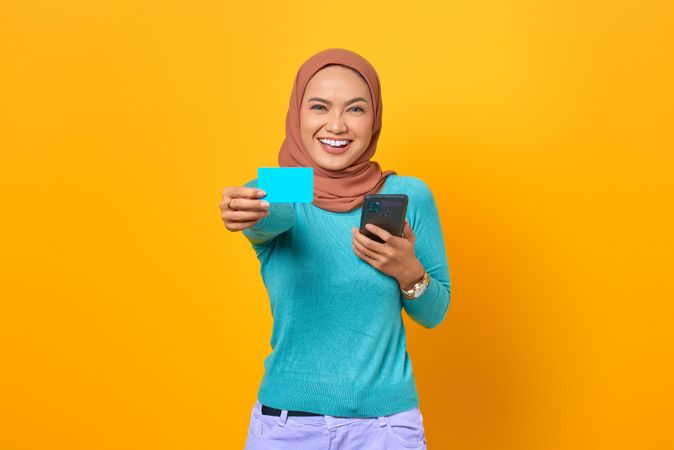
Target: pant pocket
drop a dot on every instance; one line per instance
(255, 427)
(407, 428)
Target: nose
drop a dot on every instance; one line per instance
(337, 124)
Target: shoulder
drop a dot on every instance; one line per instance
(410, 182)
(420, 199)
(415, 188)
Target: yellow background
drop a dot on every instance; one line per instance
(132, 319)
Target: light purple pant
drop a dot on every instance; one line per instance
(403, 430)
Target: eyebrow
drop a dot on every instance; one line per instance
(318, 99)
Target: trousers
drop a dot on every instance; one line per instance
(403, 430)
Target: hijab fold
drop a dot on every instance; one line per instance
(335, 190)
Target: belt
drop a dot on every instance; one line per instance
(269, 411)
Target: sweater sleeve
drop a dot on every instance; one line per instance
(430, 307)
(280, 218)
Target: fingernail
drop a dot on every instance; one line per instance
(264, 203)
(261, 193)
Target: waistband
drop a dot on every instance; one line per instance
(314, 418)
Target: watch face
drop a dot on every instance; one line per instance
(422, 287)
(418, 288)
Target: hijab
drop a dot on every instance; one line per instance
(335, 190)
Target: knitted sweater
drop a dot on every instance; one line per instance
(338, 339)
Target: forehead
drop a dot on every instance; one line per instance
(337, 82)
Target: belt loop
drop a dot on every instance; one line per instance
(382, 421)
(283, 418)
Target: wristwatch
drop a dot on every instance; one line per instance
(418, 288)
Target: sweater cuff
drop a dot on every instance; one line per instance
(430, 307)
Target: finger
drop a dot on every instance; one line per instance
(247, 204)
(366, 251)
(359, 253)
(364, 257)
(373, 245)
(238, 226)
(382, 233)
(245, 216)
(408, 230)
(243, 192)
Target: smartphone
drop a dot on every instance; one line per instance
(387, 211)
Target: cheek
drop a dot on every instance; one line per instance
(308, 120)
(306, 132)
(362, 126)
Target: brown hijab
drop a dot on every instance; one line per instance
(335, 190)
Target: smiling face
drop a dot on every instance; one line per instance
(337, 106)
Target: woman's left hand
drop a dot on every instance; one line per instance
(394, 257)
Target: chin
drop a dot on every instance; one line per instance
(330, 162)
(332, 165)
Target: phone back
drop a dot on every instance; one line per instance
(387, 211)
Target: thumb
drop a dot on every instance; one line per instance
(407, 232)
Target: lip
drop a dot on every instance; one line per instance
(332, 150)
(334, 138)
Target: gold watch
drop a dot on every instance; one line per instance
(418, 288)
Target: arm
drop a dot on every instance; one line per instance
(280, 218)
(429, 308)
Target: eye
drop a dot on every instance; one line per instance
(321, 106)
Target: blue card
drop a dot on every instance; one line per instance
(286, 184)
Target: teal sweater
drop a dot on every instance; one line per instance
(338, 339)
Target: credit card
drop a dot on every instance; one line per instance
(286, 184)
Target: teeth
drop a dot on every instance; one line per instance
(334, 143)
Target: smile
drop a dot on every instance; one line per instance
(340, 147)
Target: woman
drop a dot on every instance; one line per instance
(339, 375)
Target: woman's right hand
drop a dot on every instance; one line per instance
(241, 207)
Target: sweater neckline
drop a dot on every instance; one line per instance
(384, 190)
